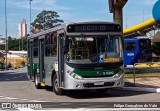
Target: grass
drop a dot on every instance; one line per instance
(142, 74)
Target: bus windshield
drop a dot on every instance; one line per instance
(94, 49)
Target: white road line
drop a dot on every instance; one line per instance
(3, 97)
(26, 109)
(28, 100)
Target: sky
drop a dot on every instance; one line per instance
(134, 12)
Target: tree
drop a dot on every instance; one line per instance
(2, 58)
(13, 44)
(45, 20)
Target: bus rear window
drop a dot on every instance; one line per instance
(130, 46)
(145, 43)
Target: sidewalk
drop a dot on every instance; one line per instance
(152, 82)
(147, 78)
(146, 84)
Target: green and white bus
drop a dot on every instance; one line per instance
(77, 56)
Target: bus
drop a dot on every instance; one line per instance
(137, 50)
(77, 56)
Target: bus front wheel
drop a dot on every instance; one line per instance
(36, 80)
(56, 89)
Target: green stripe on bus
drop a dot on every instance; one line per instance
(96, 72)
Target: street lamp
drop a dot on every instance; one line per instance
(30, 15)
(6, 45)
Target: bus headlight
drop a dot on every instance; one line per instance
(75, 76)
(118, 74)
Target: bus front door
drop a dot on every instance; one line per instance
(30, 57)
(41, 60)
(61, 44)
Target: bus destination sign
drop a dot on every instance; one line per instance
(94, 28)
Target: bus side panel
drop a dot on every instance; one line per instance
(136, 56)
(28, 70)
(35, 66)
(49, 67)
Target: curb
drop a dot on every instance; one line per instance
(142, 89)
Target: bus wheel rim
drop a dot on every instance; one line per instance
(36, 81)
(56, 84)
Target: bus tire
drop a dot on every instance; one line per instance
(56, 90)
(36, 81)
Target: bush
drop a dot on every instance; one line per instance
(9, 65)
(23, 63)
(2, 66)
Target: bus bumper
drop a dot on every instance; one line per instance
(93, 83)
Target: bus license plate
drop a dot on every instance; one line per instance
(98, 83)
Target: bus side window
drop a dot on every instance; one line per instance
(54, 44)
(35, 50)
(47, 45)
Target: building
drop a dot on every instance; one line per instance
(22, 29)
(2, 41)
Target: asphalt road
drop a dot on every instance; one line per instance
(15, 87)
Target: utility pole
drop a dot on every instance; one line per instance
(30, 15)
(43, 21)
(6, 45)
(22, 42)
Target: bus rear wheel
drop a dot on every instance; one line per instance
(56, 89)
(36, 81)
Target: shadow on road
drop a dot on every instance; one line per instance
(13, 76)
(89, 94)
(92, 94)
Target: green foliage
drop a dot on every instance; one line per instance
(46, 20)
(23, 63)
(2, 66)
(9, 65)
(13, 44)
(2, 47)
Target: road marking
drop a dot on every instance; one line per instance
(12, 98)
(4, 97)
(25, 109)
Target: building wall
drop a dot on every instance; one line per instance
(19, 30)
(22, 29)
